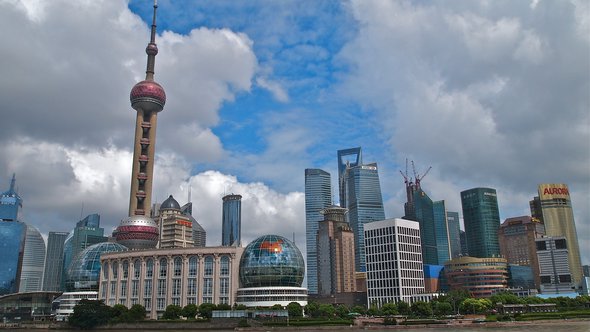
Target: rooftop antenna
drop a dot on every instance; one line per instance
(12, 182)
(189, 190)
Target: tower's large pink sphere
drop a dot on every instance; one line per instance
(137, 232)
(148, 96)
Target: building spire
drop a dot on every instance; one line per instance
(12, 182)
(152, 49)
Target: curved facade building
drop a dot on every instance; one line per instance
(271, 272)
(232, 220)
(479, 276)
(180, 276)
(31, 278)
(84, 271)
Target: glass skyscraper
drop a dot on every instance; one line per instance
(54, 260)
(482, 221)
(441, 232)
(318, 196)
(364, 203)
(454, 233)
(346, 158)
(12, 240)
(434, 233)
(232, 220)
(31, 278)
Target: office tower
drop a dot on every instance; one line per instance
(12, 239)
(364, 203)
(586, 270)
(454, 226)
(481, 277)
(441, 232)
(54, 260)
(463, 238)
(554, 268)
(176, 229)
(31, 277)
(347, 158)
(318, 196)
(199, 233)
(482, 220)
(555, 208)
(231, 220)
(139, 231)
(394, 261)
(516, 237)
(431, 216)
(335, 253)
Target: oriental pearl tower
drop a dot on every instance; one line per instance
(139, 231)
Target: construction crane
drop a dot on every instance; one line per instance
(418, 177)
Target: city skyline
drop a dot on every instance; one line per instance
(251, 107)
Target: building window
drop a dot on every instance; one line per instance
(125, 269)
(147, 303)
(161, 304)
(209, 266)
(208, 290)
(123, 289)
(162, 287)
(149, 268)
(115, 270)
(105, 271)
(177, 267)
(113, 289)
(147, 290)
(136, 269)
(176, 287)
(192, 266)
(134, 288)
(192, 287)
(224, 267)
(163, 267)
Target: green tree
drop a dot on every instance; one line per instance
(506, 298)
(374, 310)
(276, 307)
(442, 308)
(359, 309)
(389, 309)
(223, 306)
(240, 306)
(89, 314)
(206, 309)
(119, 314)
(294, 309)
(327, 310)
(475, 306)
(342, 311)
(136, 313)
(312, 309)
(421, 309)
(403, 308)
(190, 311)
(172, 311)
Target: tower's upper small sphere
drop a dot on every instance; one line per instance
(148, 96)
(137, 232)
(271, 260)
(151, 49)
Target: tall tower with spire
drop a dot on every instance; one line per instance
(147, 97)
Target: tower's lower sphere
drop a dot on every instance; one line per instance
(271, 260)
(148, 96)
(137, 232)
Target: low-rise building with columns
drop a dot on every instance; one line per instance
(159, 277)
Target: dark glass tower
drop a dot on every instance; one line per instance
(364, 203)
(232, 220)
(482, 221)
(318, 196)
(454, 233)
(12, 240)
(441, 232)
(434, 232)
(54, 260)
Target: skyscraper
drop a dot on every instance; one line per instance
(441, 232)
(554, 266)
(433, 228)
(139, 231)
(364, 203)
(454, 233)
(54, 260)
(231, 231)
(516, 237)
(557, 215)
(482, 220)
(394, 261)
(318, 196)
(199, 233)
(335, 253)
(31, 278)
(12, 240)
(346, 158)
(176, 229)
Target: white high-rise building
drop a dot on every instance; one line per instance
(393, 260)
(554, 267)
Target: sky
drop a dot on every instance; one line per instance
(489, 93)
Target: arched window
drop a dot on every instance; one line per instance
(149, 268)
(136, 269)
(105, 270)
(177, 267)
(208, 266)
(115, 270)
(224, 266)
(192, 266)
(125, 269)
(163, 267)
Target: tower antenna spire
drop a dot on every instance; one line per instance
(12, 182)
(152, 49)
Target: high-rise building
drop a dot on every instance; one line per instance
(199, 233)
(54, 260)
(176, 229)
(554, 268)
(364, 203)
(516, 237)
(554, 207)
(139, 231)
(347, 158)
(454, 226)
(335, 253)
(586, 270)
(231, 231)
(318, 196)
(482, 220)
(441, 232)
(463, 238)
(394, 261)
(12, 239)
(31, 277)
(434, 232)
